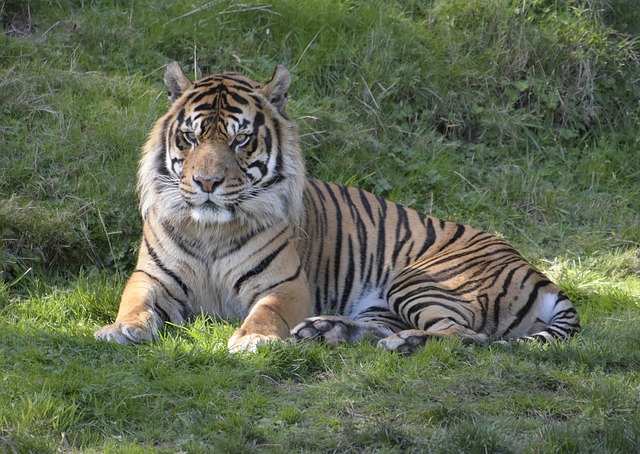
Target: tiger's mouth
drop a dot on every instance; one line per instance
(204, 201)
(210, 205)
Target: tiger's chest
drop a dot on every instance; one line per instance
(211, 289)
(211, 296)
(226, 276)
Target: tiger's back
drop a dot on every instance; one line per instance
(232, 227)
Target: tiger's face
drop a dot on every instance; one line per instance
(218, 147)
(228, 150)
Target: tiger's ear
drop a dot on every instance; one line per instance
(176, 81)
(277, 88)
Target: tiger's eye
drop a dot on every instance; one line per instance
(241, 139)
(191, 137)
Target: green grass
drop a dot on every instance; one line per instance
(188, 393)
(518, 117)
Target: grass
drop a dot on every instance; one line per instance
(577, 397)
(518, 117)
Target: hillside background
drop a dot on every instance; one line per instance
(519, 117)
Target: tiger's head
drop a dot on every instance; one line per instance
(224, 153)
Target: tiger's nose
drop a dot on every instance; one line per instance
(208, 184)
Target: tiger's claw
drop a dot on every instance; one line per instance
(240, 342)
(126, 334)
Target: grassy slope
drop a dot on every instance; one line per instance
(522, 121)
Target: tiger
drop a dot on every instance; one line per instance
(234, 228)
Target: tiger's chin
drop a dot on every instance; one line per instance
(252, 213)
(211, 215)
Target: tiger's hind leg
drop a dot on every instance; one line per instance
(437, 305)
(335, 330)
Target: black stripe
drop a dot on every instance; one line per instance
(555, 333)
(426, 326)
(345, 192)
(161, 265)
(156, 306)
(455, 270)
(366, 205)
(320, 232)
(407, 298)
(318, 191)
(160, 165)
(531, 272)
(196, 97)
(429, 240)
(258, 121)
(237, 98)
(273, 181)
(315, 206)
(174, 162)
(278, 151)
(260, 267)
(402, 224)
(474, 261)
(254, 298)
(567, 313)
(261, 166)
(318, 302)
(245, 86)
(382, 234)
(257, 101)
(203, 106)
(455, 237)
(179, 240)
(362, 242)
(327, 299)
(473, 253)
(506, 284)
(180, 117)
(230, 108)
(337, 256)
(522, 313)
(268, 144)
(348, 278)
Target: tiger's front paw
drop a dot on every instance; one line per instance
(333, 330)
(127, 333)
(241, 341)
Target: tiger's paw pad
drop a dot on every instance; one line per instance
(331, 331)
(405, 341)
(125, 334)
